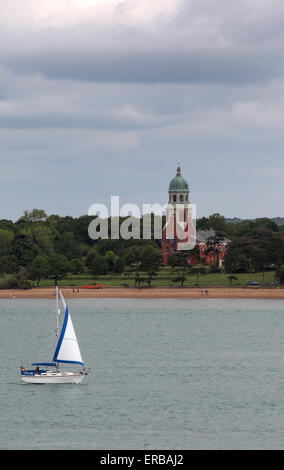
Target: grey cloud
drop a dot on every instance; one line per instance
(212, 41)
(197, 66)
(93, 111)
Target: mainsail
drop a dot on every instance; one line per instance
(67, 349)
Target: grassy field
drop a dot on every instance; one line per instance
(164, 279)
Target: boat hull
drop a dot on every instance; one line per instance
(54, 378)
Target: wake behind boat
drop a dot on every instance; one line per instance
(67, 351)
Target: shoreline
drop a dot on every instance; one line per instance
(147, 293)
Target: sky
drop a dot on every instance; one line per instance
(102, 98)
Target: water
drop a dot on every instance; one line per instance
(165, 374)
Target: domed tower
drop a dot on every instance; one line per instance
(178, 194)
(178, 189)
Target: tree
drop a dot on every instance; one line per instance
(197, 269)
(80, 229)
(24, 249)
(133, 259)
(150, 263)
(76, 266)
(259, 250)
(232, 277)
(214, 246)
(266, 223)
(203, 224)
(66, 244)
(42, 237)
(8, 262)
(98, 265)
(118, 266)
(39, 268)
(181, 260)
(8, 265)
(34, 215)
(237, 258)
(260, 259)
(133, 256)
(6, 237)
(58, 266)
(217, 222)
(103, 246)
(110, 258)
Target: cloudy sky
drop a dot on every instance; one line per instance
(105, 97)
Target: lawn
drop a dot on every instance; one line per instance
(164, 279)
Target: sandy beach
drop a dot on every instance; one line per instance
(146, 293)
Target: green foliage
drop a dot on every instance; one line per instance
(58, 266)
(118, 266)
(96, 263)
(24, 249)
(76, 266)
(110, 258)
(180, 266)
(39, 268)
(217, 222)
(34, 215)
(6, 237)
(20, 280)
(150, 263)
(65, 243)
(259, 250)
(54, 247)
(235, 228)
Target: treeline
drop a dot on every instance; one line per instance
(260, 250)
(256, 245)
(234, 230)
(38, 246)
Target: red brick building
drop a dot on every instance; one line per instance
(211, 249)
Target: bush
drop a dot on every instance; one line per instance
(20, 280)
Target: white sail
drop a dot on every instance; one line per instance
(67, 349)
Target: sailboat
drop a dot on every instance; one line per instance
(67, 351)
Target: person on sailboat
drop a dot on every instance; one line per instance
(37, 371)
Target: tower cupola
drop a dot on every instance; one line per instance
(178, 189)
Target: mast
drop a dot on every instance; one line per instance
(57, 319)
(67, 349)
(57, 314)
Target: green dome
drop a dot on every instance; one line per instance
(178, 183)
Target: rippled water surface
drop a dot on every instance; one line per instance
(165, 374)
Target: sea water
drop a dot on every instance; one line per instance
(165, 374)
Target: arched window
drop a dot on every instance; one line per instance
(186, 198)
(175, 198)
(181, 198)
